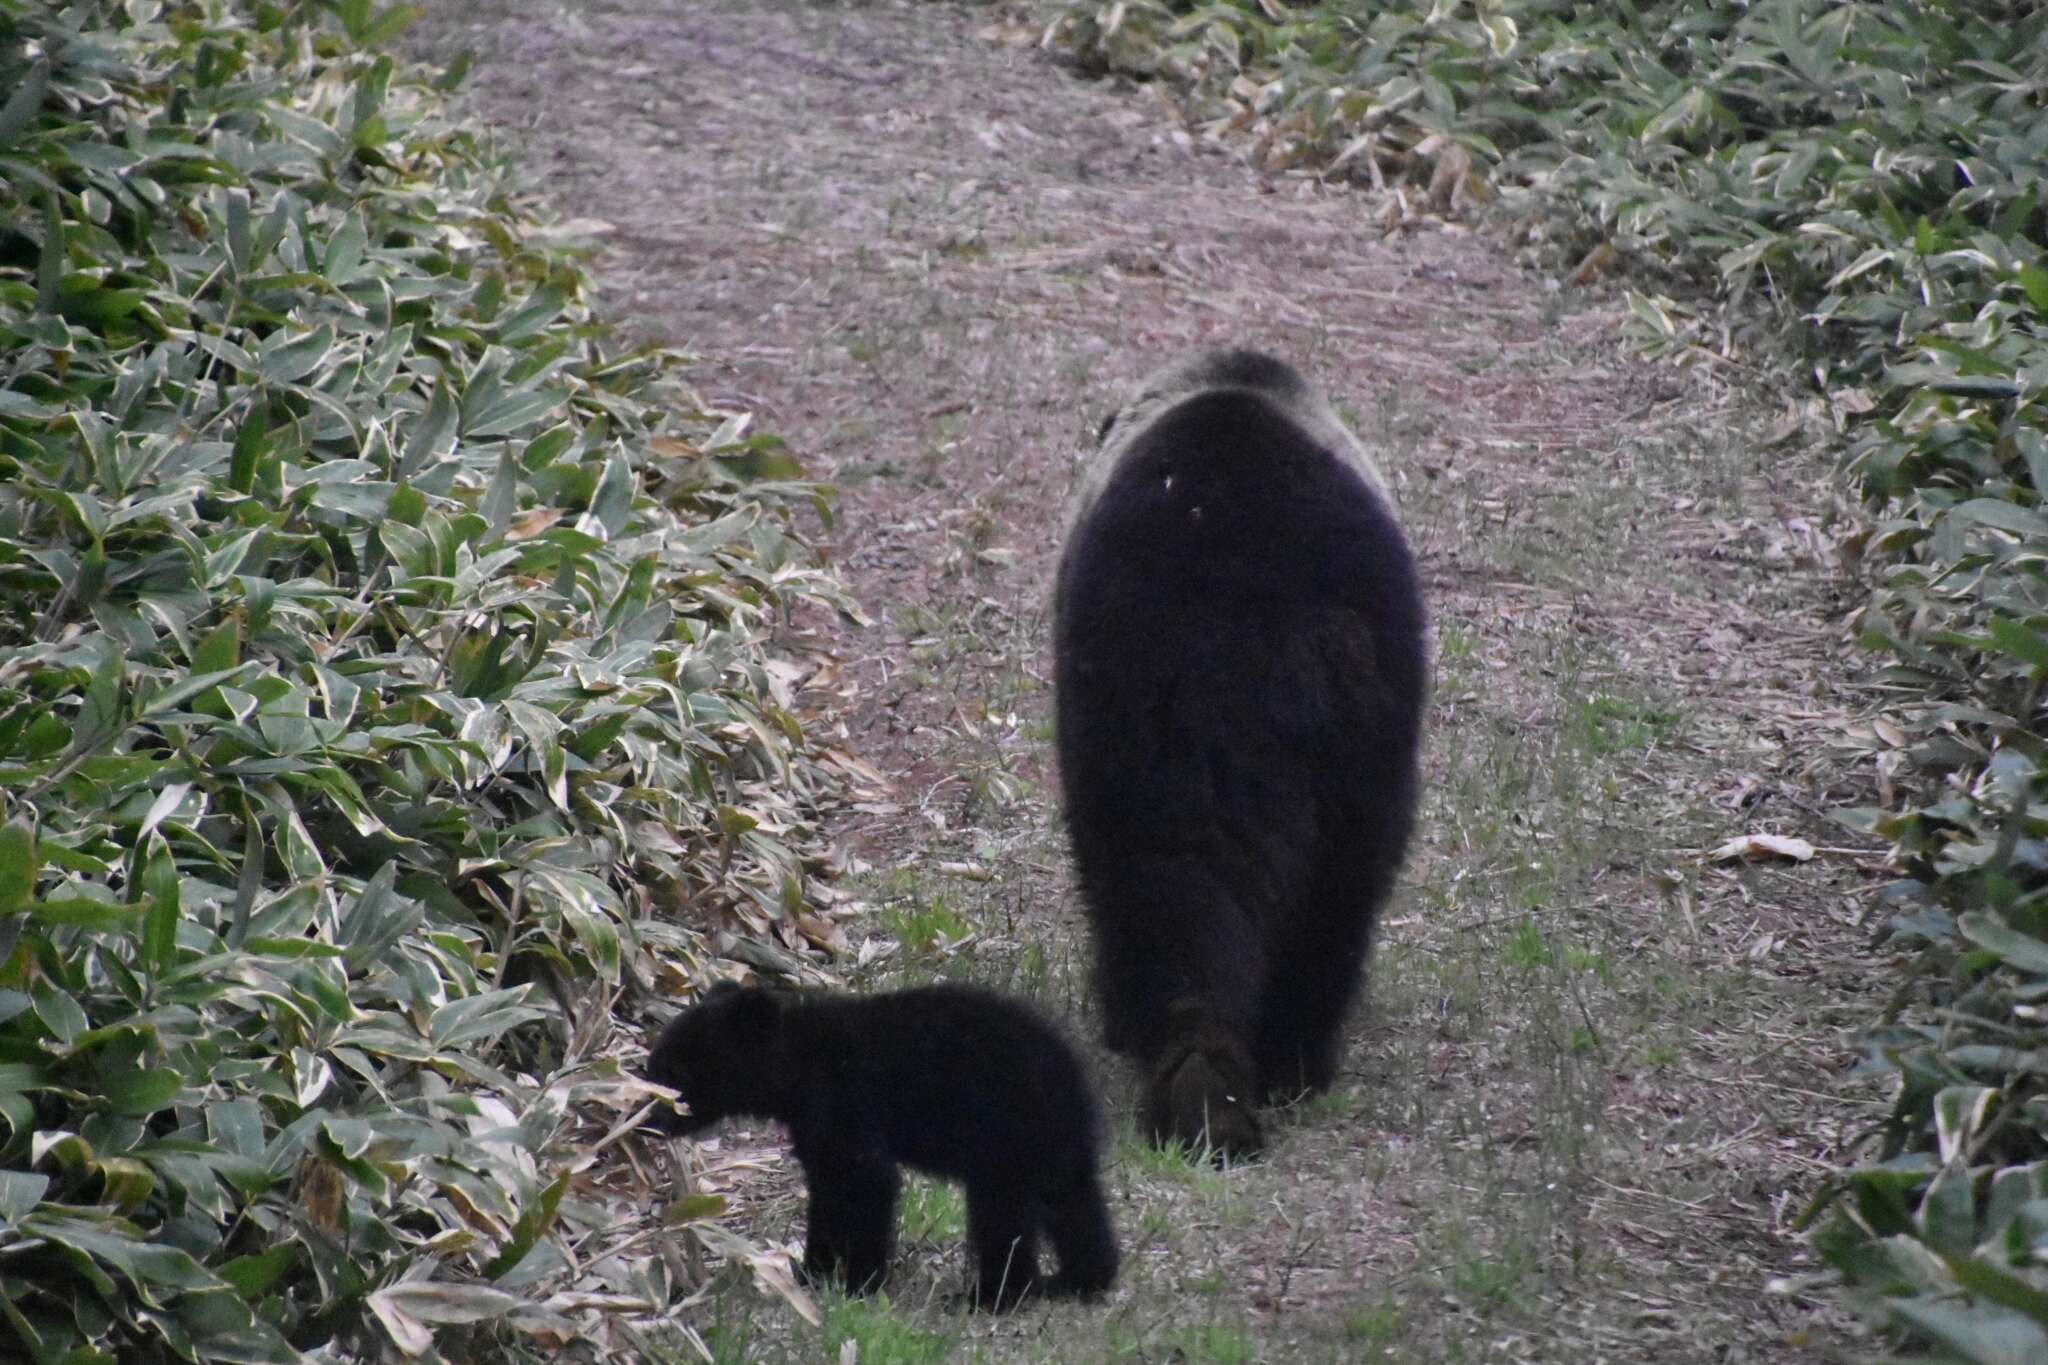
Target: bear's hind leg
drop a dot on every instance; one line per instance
(1166, 928)
(1300, 1033)
(1179, 967)
(1317, 967)
(1200, 1089)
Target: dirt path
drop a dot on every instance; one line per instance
(1595, 1084)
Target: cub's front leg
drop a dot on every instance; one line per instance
(851, 1224)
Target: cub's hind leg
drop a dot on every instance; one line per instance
(1077, 1224)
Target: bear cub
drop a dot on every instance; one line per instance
(949, 1080)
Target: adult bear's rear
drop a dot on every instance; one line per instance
(1239, 677)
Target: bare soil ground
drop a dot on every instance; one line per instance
(1598, 1077)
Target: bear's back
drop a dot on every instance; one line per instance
(955, 1080)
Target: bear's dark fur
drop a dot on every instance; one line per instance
(1239, 678)
(949, 1080)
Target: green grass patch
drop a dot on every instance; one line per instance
(927, 928)
(1526, 947)
(1186, 1164)
(1375, 1328)
(1214, 1344)
(1605, 724)
(932, 1211)
(880, 1335)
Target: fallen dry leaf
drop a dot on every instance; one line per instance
(1755, 847)
(1453, 169)
(1009, 34)
(822, 933)
(860, 770)
(532, 522)
(1596, 263)
(771, 1268)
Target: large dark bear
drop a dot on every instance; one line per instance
(1239, 677)
(950, 1080)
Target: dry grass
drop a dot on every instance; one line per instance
(1598, 1075)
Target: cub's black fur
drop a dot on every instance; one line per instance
(949, 1080)
(1239, 677)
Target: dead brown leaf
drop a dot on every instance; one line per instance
(822, 934)
(532, 522)
(863, 773)
(1594, 264)
(1759, 847)
(1453, 169)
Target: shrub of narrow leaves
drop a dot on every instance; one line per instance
(385, 667)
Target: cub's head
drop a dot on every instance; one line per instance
(720, 1057)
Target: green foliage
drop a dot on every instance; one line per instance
(1215, 1343)
(878, 1334)
(1525, 946)
(932, 1211)
(1341, 84)
(1376, 1328)
(1858, 187)
(378, 648)
(925, 929)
